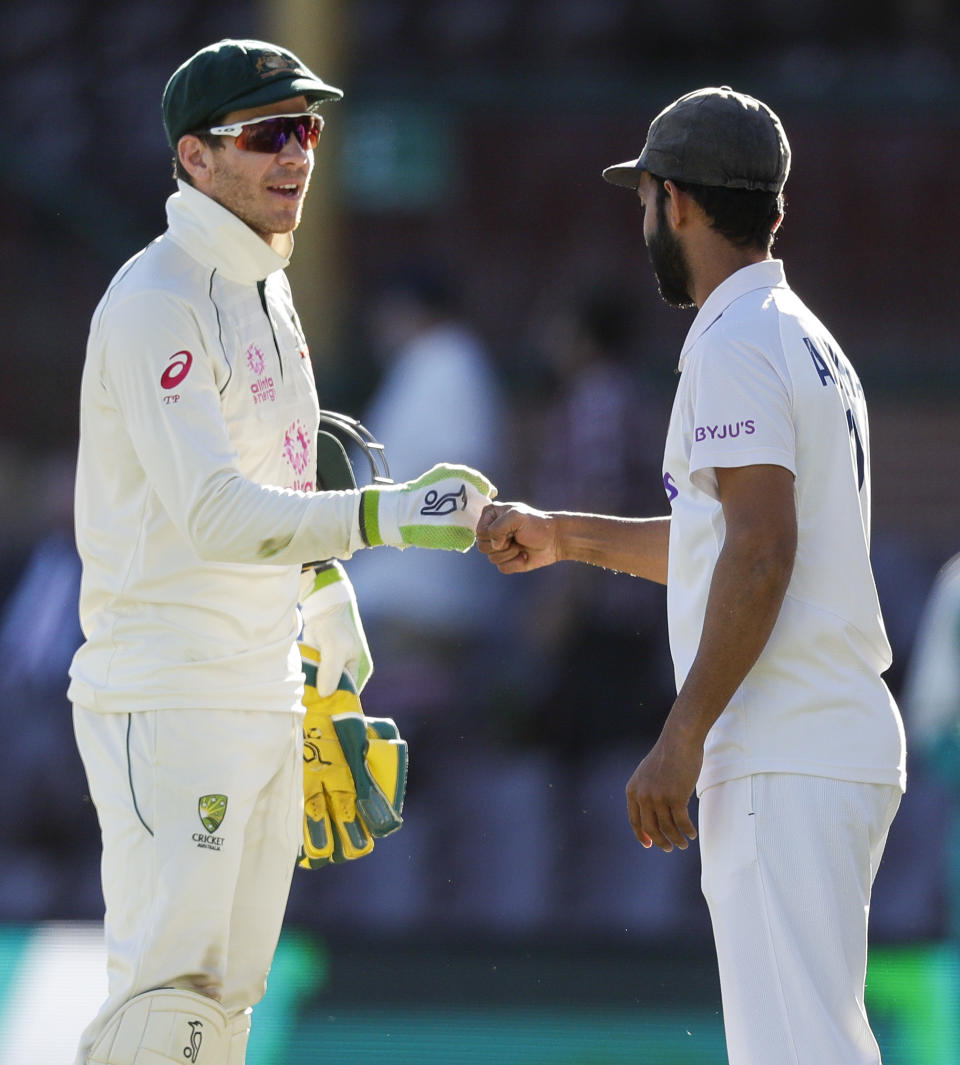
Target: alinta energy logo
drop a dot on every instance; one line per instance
(211, 809)
(263, 389)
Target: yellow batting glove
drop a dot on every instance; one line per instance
(354, 773)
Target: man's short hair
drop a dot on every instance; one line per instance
(746, 217)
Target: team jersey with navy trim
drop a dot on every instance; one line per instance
(763, 382)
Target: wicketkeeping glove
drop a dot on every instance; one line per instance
(331, 624)
(354, 773)
(439, 509)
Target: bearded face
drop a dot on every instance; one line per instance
(669, 259)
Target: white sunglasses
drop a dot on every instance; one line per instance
(272, 132)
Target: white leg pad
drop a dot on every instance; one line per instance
(170, 1026)
(238, 1031)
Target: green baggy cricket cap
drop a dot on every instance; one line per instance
(714, 137)
(231, 76)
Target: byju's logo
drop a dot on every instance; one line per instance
(212, 809)
(436, 505)
(192, 1051)
(724, 432)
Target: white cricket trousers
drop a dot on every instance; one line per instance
(192, 904)
(788, 864)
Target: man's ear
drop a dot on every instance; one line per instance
(195, 157)
(676, 204)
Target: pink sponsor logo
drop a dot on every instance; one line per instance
(296, 447)
(255, 360)
(263, 389)
(180, 363)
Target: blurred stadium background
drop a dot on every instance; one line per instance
(514, 918)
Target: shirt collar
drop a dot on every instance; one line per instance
(766, 274)
(216, 237)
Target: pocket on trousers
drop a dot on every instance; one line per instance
(728, 839)
(140, 745)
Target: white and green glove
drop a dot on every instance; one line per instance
(331, 624)
(440, 509)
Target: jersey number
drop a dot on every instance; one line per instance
(855, 433)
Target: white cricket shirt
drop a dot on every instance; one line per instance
(195, 501)
(763, 382)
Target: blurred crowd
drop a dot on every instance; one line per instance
(527, 701)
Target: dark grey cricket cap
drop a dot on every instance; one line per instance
(714, 137)
(231, 76)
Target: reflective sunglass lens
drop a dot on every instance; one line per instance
(272, 134)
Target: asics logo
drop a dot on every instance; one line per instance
(436, 505)
(196, 1038)
(180, 363)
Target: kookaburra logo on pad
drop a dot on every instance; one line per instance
(437, 505)
(192, 1051)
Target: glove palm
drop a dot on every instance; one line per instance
(354, 773)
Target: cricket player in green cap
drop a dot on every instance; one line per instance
(197, 506)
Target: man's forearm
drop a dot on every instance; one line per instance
(638, 546)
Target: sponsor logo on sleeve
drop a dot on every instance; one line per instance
(178, 368)
(729, 431)
(670, 487)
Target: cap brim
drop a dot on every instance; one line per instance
(626, 174)
(313, 89)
